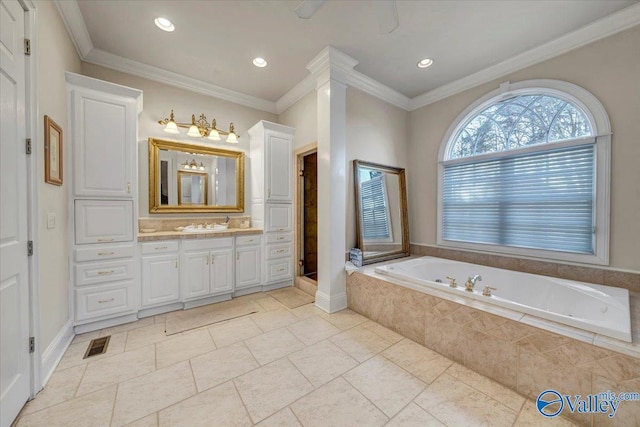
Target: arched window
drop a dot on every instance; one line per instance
(525, 171)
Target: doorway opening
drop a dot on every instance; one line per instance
(307, 219)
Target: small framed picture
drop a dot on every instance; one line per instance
(52, 152)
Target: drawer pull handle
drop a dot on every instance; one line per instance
(249, 241)
(104, 253)
(160, 248)
(102, 301)
(279, 251)
(102, 273)
(281, 269)
(128, 187)
(280, 229)
(105, 240)
(280, 238)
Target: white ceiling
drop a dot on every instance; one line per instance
(215, 41)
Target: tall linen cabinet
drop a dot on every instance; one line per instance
(103, 133)
(271, 157)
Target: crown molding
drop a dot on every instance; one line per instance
(374, 88)
(72, 17)
(77, 29)
(331, 57)
(604, 27)
(118, 63)
(344, 64)
(296, 93)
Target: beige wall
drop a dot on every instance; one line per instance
(55, 54)
(376, 132)
(158, 101)
(303, 116)
(610, 69)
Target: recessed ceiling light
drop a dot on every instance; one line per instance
(260, 62)
(427, 62)
(164, 24)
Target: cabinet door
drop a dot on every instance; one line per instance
(104, 140)
(279, 168)
(221, 271)
(195, 274)
(103, 221)
(247, 266)
(160, 280)
(279, 217)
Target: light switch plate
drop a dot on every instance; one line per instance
(51, 220)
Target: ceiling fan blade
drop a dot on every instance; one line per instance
(307, 8)
(387, 15)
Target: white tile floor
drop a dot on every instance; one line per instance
(281, 367)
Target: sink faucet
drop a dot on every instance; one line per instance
(471, 282)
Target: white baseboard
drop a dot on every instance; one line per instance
(54, 352)
(331, 304)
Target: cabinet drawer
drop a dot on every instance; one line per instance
(279, 237)
(254, 239)
(100, 272)
(279, 270)
(99, 253)
(279, 251)
(103, 221)
(104, 300)
(160, 247)
(278, 217)
(206, 244)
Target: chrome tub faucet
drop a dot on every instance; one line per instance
(471, 282)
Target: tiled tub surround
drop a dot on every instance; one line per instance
(522, 357)
(600, 309)
(601, 276)
(165, 228)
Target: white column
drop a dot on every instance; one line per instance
(331, 69)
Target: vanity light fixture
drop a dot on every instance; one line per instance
(425, 63)
(192, 165)
(164, 24)
(199, 128)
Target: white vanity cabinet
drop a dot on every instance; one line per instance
(272, 172)
(103, 127)
(104, 283)
(160, 283)
(207, 268)
(248, 261)
(278, 166)
(104, 131)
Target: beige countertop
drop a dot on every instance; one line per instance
(172, 235)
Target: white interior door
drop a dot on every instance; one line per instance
(14, 280)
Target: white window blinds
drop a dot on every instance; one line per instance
(542, 200)
(375, 220)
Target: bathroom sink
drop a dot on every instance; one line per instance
(207, 229)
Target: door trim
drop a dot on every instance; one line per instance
(31, 119)
(298, 203)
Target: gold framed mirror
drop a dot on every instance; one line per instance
(187, 177)
(382, 221)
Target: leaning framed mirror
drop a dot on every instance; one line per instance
(382, 221)
(187, 177)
